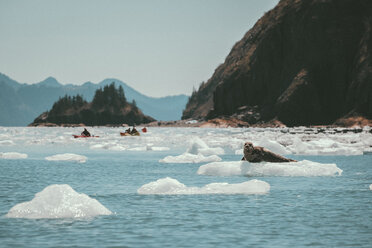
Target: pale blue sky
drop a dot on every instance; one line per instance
(159, 47)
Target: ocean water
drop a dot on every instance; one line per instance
(307, 209)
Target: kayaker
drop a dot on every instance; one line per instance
(134, 131)
(85, 133)
(128, 131)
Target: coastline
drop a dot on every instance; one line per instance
(352, 124)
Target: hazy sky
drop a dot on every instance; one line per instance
(159, 47)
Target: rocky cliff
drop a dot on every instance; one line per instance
(304, 62)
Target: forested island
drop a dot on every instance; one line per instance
(108, 107)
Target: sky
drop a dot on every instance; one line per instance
(158, 47)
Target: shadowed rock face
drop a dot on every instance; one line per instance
(257, 154)
(303, 63)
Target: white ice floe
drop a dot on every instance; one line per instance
(273, 146)
(170, 186)
(149, 148)
(6, 143)
(67, 157)
(198, 146)
(301, 168)
(160, 148)
(370, 186)
(190, 158)
(58, 201)
(198, 152)
(109, 146)
(322, 146)
(12, 155)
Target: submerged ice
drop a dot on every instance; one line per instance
(58, 201)
(13, 155)
(170, 186)
(301, 168)
(67, 157)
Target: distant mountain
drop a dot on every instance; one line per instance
(49, 82)
(20, 104)
(109, 107)
(303, 63)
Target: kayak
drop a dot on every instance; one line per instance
(82, 136)
(128, 134)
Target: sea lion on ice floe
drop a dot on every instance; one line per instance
(257, 154)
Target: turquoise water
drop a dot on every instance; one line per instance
(298, 211)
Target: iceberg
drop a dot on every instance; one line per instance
(58, 201)
(12, 155)
(302, 168)
(170, 186)
(67, 157)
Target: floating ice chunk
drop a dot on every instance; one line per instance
(117, 148)
(301, 168)
(190, 158)
(198, 146)
(6, 143)
(323, 147)
(367, 152)
(159, 148)
(101, 146)
(221, 169)
(299, 147)
(138, 149)
(149, 148)
(370, 187)
(273, 146)
(170, 186)
(58, 201)
(109, 146)
(67, 157)
(12, 155)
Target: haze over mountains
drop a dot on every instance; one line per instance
(20, 103)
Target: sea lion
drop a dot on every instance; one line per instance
(257, 154)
